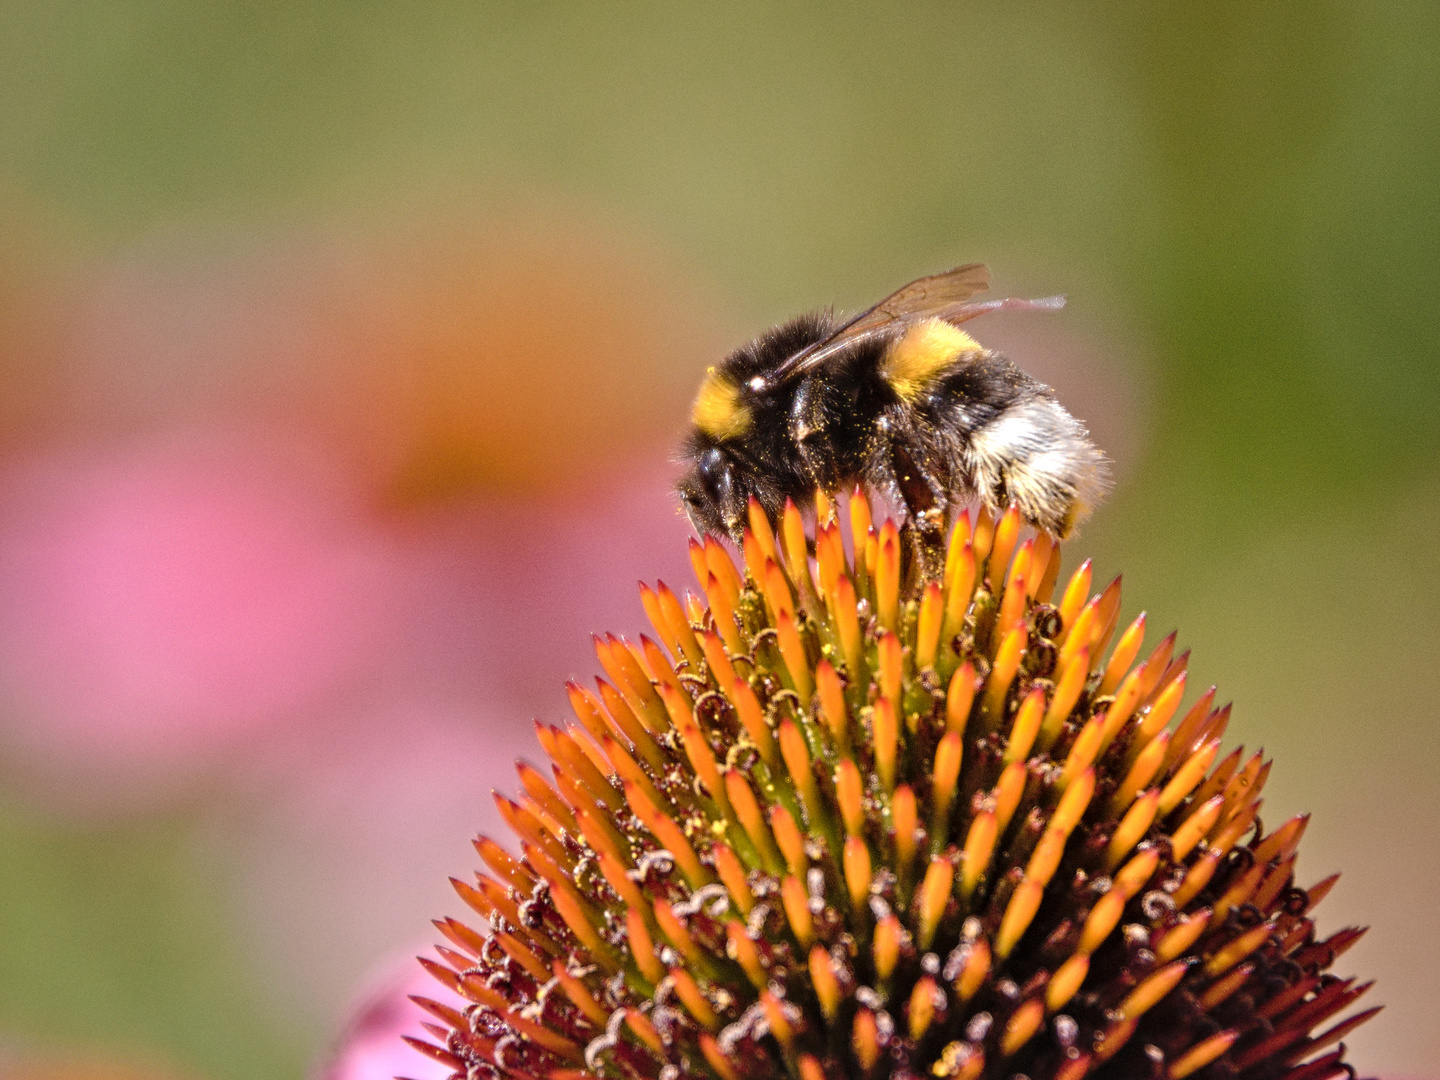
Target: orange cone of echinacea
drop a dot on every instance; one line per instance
(831, 821)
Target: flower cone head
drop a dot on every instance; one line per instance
(837, 821)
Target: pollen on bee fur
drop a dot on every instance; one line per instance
(718, 411)
(922, 353)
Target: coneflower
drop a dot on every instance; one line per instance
(830, 823)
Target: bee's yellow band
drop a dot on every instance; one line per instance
(718, 411)
(914, 361)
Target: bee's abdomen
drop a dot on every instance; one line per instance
(972, 395)
(1016, 443)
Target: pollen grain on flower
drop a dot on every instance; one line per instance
(833, 820)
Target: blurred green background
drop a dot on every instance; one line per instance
(1242, 201)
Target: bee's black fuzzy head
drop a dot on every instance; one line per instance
(739, 419)
(710, 491)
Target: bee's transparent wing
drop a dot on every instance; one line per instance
(939, 296)
(921, 298)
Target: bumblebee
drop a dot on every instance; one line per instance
(898, 398)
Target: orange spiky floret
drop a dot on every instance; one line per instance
(843, 823)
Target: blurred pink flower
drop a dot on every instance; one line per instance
(168, 601)
(346, 829)
(370, 1047)
(508, 589)
(343, 850)
(311, 525)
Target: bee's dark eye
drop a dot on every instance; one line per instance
(714, 473)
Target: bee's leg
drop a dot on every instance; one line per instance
(926, 507)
